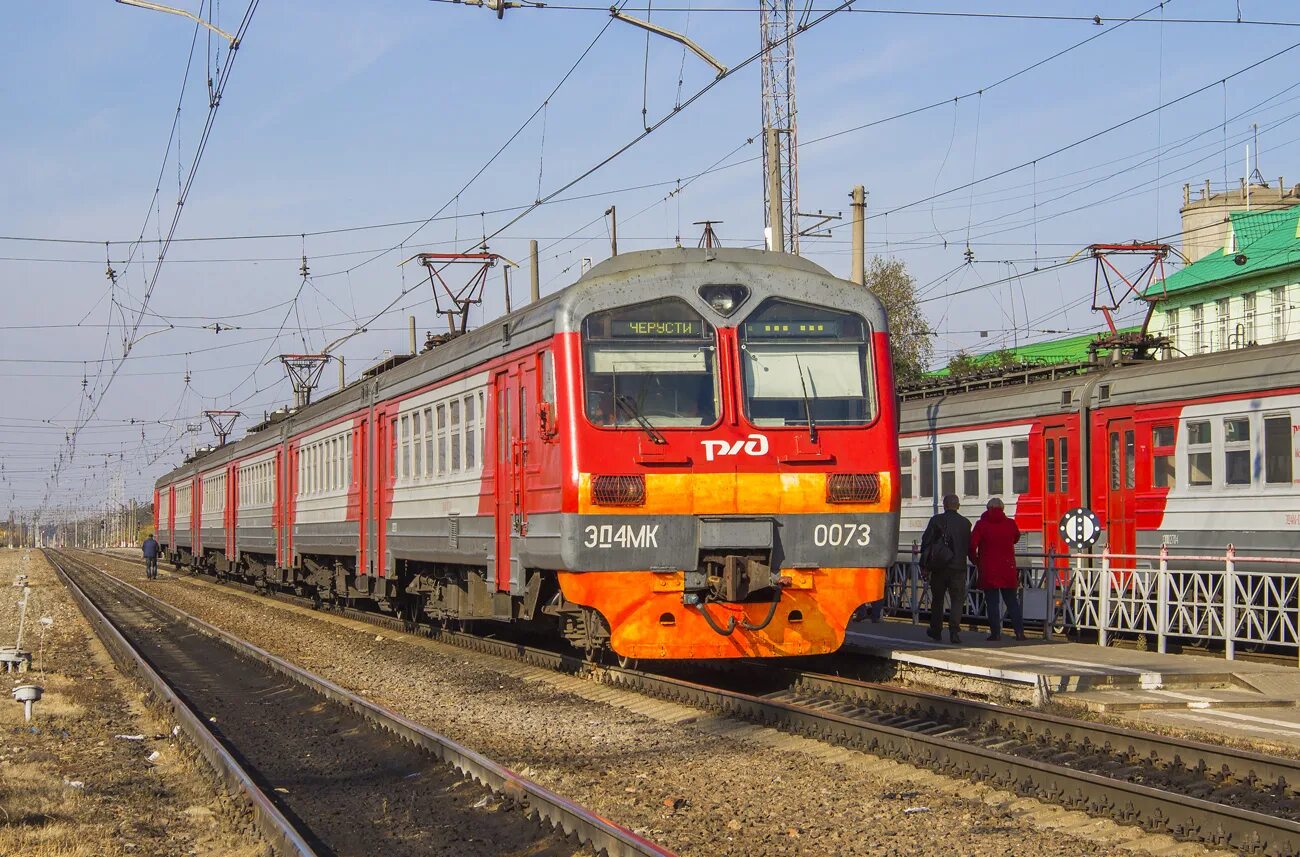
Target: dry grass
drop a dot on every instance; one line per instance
(127, 804)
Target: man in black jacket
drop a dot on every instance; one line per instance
(943, 557)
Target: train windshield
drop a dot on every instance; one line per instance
(650, 365)
(805, 366)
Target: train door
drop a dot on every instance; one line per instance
(231, 513)
(196, 517)
(1121, 484)
(382, 484)
(1058, 485)
(510, 389)
(360, 468)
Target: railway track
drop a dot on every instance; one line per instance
(1196, 792)
(298, 747)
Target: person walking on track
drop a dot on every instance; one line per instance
(944, 546)
(993, 550)
(150, 549)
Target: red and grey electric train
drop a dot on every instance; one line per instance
(1192, 454)
(686, 454)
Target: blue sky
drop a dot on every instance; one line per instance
(345, 114)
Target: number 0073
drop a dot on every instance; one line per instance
(838, 535)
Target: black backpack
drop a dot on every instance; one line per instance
(939, 554)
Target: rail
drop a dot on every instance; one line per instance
(1159, 783)
(602, 835)
(271, 823)
(1222, 598)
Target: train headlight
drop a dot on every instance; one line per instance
(724, 297)
(853, 488)
(618, 490)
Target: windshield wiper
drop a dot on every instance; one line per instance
(634, 412)
(807, 404)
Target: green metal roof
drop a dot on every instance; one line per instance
(1072, 349)
(1269, 240)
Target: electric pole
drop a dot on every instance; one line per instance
(777, 26)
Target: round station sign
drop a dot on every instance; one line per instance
(1080, 528)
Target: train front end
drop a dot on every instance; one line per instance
(731, 484)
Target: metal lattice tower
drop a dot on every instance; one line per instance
(778, 25)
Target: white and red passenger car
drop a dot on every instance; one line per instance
(686, 454)
(1193, 454)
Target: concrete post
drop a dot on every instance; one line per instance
(535, 276)
(414, 349)
(1230, 604)
(612, 212)
(343, 375)
(859, 273)
(777, 241)
(1162, 601)
(1103, 608)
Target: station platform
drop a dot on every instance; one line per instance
(1245, 698)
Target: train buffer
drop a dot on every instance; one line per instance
(1242, 699)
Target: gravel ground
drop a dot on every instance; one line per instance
(698, 784)
(69, 787)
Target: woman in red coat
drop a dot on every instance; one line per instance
(993, 550)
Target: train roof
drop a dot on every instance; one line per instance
(1028, 393)
(617, 281)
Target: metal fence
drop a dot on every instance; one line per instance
(1225, 599)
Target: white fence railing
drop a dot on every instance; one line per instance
(1223, 598)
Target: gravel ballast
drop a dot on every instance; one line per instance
(698, 783)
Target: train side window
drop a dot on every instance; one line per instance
(1163, 469)
(548, 377)
(947, 470)
(417, 441)
(905, 474)
(970, 464)
(429, 467)
(471, 441)
(442, 439)
(925, 473)
(993, 456)
(406, 447)
(1130, 461)
(482, 436)
(1020, 466)
(1236, 451)
(453, 433)
(1049, 447)
(1200, 456)
(1277, 450)
(1065, 465)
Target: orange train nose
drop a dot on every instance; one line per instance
(648, 620)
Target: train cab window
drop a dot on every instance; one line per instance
(925, 473)
(651, 363)
(1278, 455)
(802, 362)
(1049, 454)
(970, 469)
(1236, 451)
(994, 472)
(1200, 455)
(1020, 466)
(905, 474)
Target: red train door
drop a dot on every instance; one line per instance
(512, 402)
(1121, 484)
(232, 509)
(1059, 484)
(385, 438)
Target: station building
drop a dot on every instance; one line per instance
(1242, 284)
